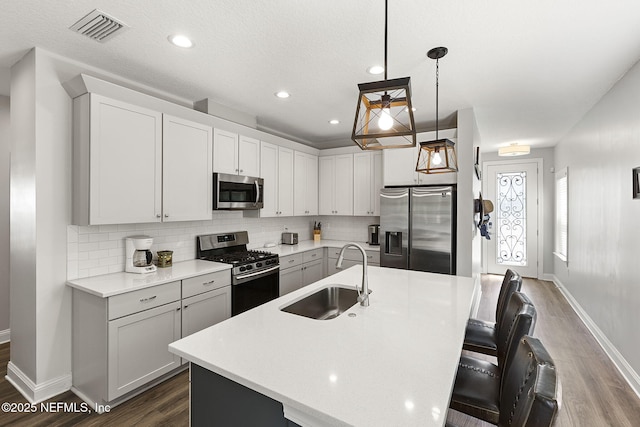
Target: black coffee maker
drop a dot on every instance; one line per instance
(373, 234)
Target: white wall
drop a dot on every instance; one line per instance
(468, 250)
(5, 160)
(548, 200)
(603, 271)
(40, 363)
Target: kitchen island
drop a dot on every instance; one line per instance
(392, 363)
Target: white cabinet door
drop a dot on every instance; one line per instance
(225, 152)
(343, 185)
(204, 310)
(290, 280)
(362, 184)
(124, 146)
(186, 170)
(285, 182)
(400, 166)
(138, 348)
(335, 195)
(312, 272)
(376, 180)
(248, 156)
(269, 172)
(305, 184)
(326, 166)
(367, 181)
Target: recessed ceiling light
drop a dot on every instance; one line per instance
(334, 121)
(283, 94)
(375, 69)
(180, 40)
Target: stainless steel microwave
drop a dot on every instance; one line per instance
(237, 192)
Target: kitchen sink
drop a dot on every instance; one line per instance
(324, 304)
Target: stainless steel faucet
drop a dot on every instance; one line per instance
(363, 297)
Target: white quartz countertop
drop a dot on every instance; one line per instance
(393, 364)
(307, 245)
(108, 285)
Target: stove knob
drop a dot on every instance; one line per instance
(259, 264)
(249, 267)
(242, 268)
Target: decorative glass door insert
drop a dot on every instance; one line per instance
(511, 218)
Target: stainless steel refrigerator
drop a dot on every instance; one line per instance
(417, 228)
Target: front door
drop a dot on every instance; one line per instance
(512, 186)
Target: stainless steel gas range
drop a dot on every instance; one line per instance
(255, 274)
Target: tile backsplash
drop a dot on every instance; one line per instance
(99, 249)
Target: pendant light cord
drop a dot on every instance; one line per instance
(437, 85)
(385, 38)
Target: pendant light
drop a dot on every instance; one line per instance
(439, 155)
(384, 115)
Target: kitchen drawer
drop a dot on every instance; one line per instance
(290, 261)
(207, 282)
(373, 257)
(143, 299)
(312, 255)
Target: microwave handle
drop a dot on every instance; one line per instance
(257, 193)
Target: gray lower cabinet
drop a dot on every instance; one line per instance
(300, 270)
(120, 344)
(138, 348)
(204, 310)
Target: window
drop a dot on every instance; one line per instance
(562, 216)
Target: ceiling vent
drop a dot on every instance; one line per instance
(99, 26)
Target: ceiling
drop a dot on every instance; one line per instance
(530, 69)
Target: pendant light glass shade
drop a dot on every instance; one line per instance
(437, 156)
(384, 116)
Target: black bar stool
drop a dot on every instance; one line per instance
(481, 335)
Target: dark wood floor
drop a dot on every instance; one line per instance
(594, 393)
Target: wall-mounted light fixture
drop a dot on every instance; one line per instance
(384, 115)
(439, 155)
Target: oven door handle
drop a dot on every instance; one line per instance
(257, 273)
(257, 193)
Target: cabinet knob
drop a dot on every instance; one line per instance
(241, 171)
(236, 170)
(158, 216)
(166, 215)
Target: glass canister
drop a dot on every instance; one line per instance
(165, 258)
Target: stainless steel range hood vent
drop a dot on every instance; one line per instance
(99, 26)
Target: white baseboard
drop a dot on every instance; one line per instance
(618, 360)
(36, 393)
(548, 277)
(5, 336)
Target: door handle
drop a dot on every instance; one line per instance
(257, 193)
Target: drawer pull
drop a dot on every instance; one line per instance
(314, 255)
(148, 299)
(291, 260)
(208, 283)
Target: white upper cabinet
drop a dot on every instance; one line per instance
(367, 182)
(186, 170)
(235, 154)
(276, 167)
(399, 165)
(131, 165)
(225, 151)
(305, 184)
(249, 156)
(336, 185)
(117, 162)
